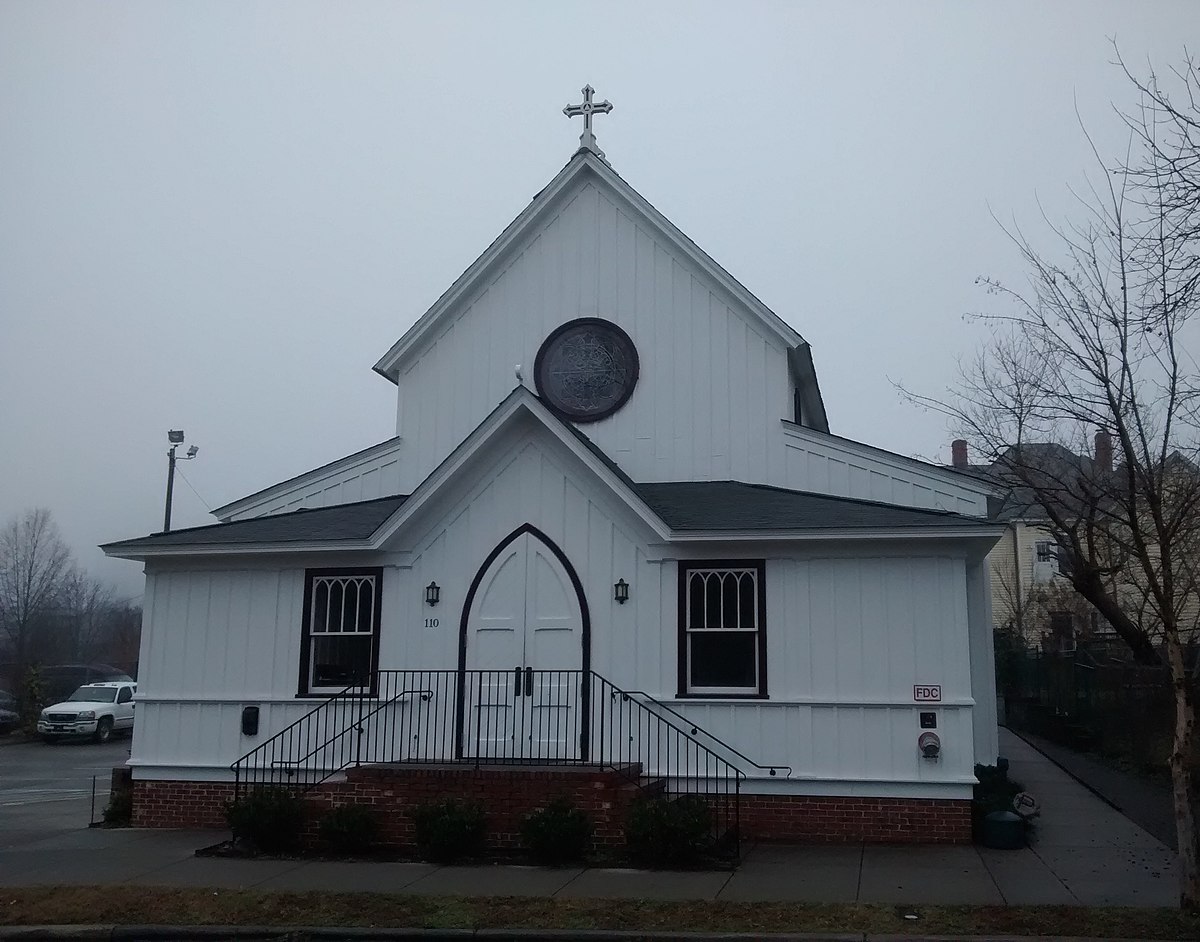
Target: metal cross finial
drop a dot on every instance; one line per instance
(587, 139)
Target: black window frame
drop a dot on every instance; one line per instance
(304, 689)
(691, 565)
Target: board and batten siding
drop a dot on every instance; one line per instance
(849, 632)
(712, 384)
(713, 399)
(375, 474)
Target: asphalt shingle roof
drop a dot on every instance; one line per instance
(682, 505)
(355, 521)
(733, 505)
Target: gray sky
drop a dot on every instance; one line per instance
(217, 216)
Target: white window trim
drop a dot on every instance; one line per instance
(371, 575)
(756, 570)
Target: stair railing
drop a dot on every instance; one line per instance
(771, 770)
(517, 716)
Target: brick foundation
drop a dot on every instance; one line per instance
(508, 793)
(828, 819)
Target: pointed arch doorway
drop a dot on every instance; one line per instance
(524, 649)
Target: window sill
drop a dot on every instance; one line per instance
(722, 696)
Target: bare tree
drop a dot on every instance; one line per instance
(1097, 341)
(86, 607)
(34, 566)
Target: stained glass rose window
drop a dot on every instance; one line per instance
(586, 369)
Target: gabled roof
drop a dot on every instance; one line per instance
(585, 165)
(684, 510)
(368, 525)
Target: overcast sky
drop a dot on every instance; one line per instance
(217, 216)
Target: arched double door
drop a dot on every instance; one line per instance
(524, 650)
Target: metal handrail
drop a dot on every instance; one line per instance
(355, 727)
(543, 717)
(770, 769)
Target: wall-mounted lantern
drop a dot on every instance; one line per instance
(621, 591)
(433, 593)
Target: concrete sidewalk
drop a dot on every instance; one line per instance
(1085, 853)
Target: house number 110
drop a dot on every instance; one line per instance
(431, 623)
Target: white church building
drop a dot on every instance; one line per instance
(611, 534)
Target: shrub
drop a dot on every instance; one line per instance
(349, 829)
(449, 830)
(674, 833)
(118, 813)
(271, 819)
(557, 834)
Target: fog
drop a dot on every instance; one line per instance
(217, 216)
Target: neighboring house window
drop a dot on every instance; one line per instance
(340, 643)
(722, 629)
(1047, 552)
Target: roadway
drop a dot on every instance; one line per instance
(47, 789)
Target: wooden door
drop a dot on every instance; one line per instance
(524, 652)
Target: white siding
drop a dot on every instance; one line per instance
(848, 632)
(713, 386)
(375, 474)
(831, 465)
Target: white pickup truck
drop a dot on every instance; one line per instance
(95, 710)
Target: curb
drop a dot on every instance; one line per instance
(357, 934)
(363, 934)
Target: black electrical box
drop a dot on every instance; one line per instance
(250, 721)
(929, 720)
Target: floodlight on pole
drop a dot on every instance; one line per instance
(175, 437)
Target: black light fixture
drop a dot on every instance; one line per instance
(621, 591)
(433, 593)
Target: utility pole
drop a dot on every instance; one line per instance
(175, 437)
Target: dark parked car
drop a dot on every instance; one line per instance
(59, 681)
(9, 720)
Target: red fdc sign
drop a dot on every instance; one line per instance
(927, 693)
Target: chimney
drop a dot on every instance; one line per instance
(1103, 451)
(958, 452)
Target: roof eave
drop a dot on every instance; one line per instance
(811, 534)
(143, 551)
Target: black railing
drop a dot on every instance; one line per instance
(770, 770)
(518, 716)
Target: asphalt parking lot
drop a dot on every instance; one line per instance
(48, 789)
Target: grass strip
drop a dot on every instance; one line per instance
(125, 905)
